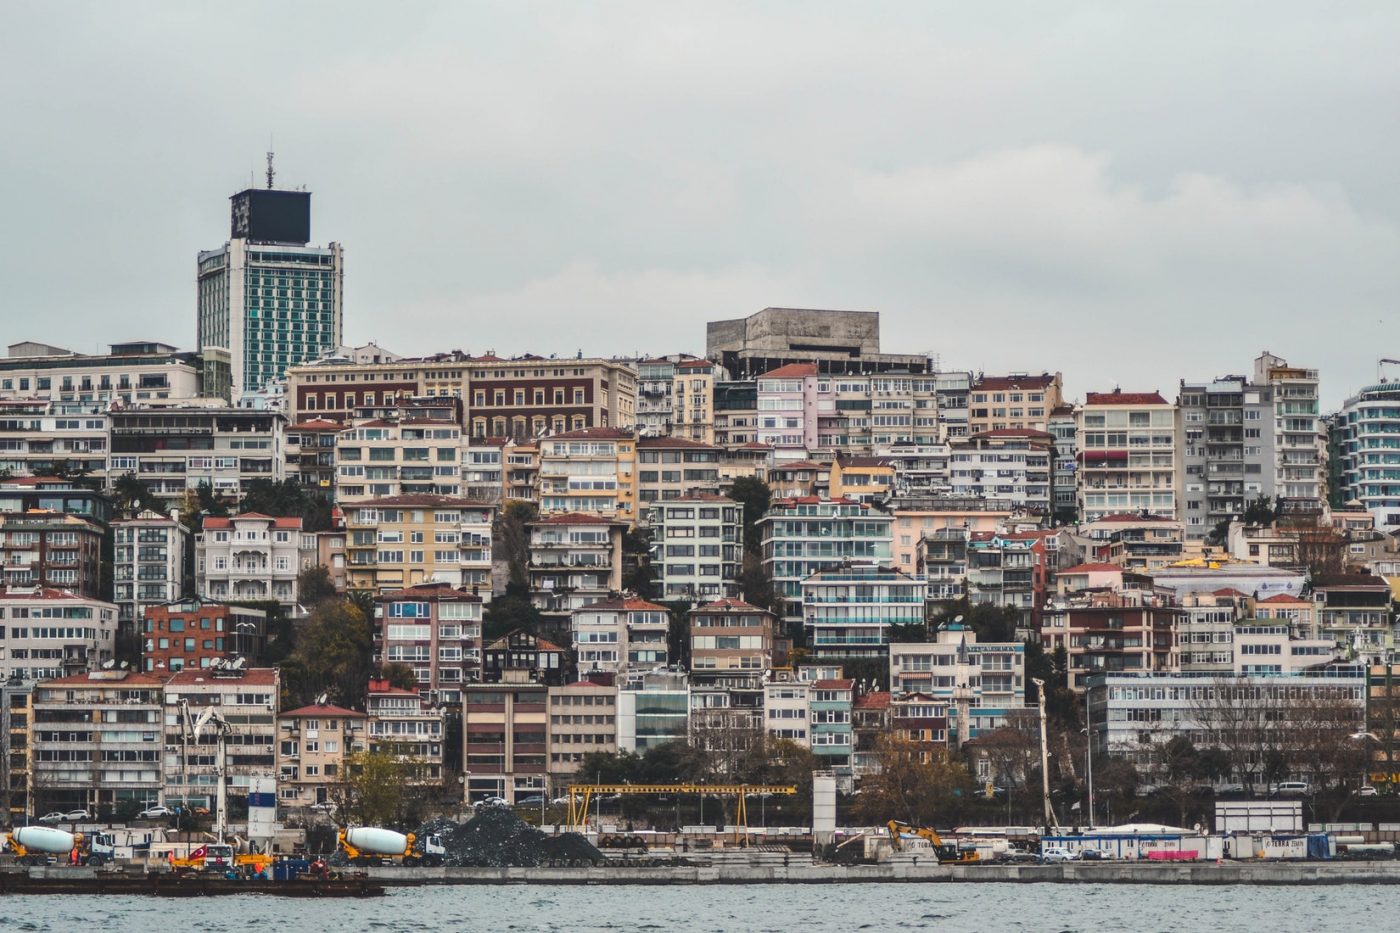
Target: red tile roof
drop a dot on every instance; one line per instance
(834, 684)
(695, 364)
(28, 592)
(878, 699)
(791, 371)
(1015, 432)
(212, 521)
(328, 710)
(796, 465)
(623, 604)
(253, 677)
(863, 462)
(1285, 598)
(315, 424)
(1231, 592)
(113, 679)
(1124, 398)
(429, 591)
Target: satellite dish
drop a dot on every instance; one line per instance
(124, 665)
(321, 700)
(108, 665)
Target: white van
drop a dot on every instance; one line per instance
(1291, 789)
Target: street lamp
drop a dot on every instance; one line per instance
(1089, 754)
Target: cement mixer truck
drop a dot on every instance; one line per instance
(33, 845)
(370, 845)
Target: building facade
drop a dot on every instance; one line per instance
(805, 535)
(50, 633)
(400, 541)
(51, 549)
(435, 629)
(248, 557)
(697, 547)
(1127, 455)
(848, 610)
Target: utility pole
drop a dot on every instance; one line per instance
(1050, 821)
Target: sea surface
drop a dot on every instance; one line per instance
(790, 907)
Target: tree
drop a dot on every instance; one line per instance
(314, 586)
(609, 768)
(678, 632)
(755, 583)
(512, 539)
(638, 575)
(208, 502)
(333, 655)
(377, 789)
(914, 783)
(510, 611)
(289, 499)
(756, 497)
(1261, 511)
(131, 495)
(398, 675)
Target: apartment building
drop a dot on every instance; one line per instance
(1008, 464)
(1299, 464)
(522, 473)
(653, 708)
(98, 741)
(51, 549)
(983, 684)
(877, 410)
(403, 724)
(16, 744)
(729, 635)
(832, 737)
(575, 559)
(1272, 649)
(310, 453)
(671, 467)
(53, 494)
(1110, 633)
(864, 479)
(589, 470)
(505, 737)
(848, 610)
(50, 633)
(1227, 450)
(693, 401)
(148, 564)
(400, 541)
(697, 549)
(920, 470)
(736, 413)
(1368, 462)
(1010, 569)
(615, 634)
(520, 398)
(1132, 715)
(129, 374)
(483, 468)
(381, 458)
(314, 746)
(173, 450)
(789, 402)
(1127, 454)
(916, 517)
(1064, 479)
(787, 708)
(199, 634)
(1353, 609)
(805, 535)
(942, 565)
(43, 438)
(582, 721)
(434, 628)
(1018, 401)
(655, 396)
(247, 700)
(794, 479)
(519, 657)
(1136, 542)
(248, 557)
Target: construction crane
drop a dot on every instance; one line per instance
(209, 722)
(581, 794)
(1050, 821)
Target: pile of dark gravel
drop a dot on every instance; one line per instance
(497, 838)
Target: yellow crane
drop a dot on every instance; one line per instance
(580, 795)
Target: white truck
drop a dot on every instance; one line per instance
(34, 845)
(369, 845)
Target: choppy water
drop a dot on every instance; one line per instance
(777, 908)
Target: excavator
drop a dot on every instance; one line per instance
(948, 853)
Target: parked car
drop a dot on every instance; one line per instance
(322, 807)
(1291, 789)
(1093, 855)
(493, 802)
(534, 800)
(1368, 790)
(73, 816)
(155, 813)
(1050, 854)
(48, 819)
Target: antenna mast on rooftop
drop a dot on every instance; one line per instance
(271, 173)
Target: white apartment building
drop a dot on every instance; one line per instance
(804, 535)
(48, 633)
(787, 709)
(590, 470)
(1127, 454)
(248, 557)
(39, 438)
(403, 724)
(575, 560)
(130, 374)
(382, 458)
(613, 635)
(848, 610)
(984, 684)
(697, 547)
(148, 563)
(1012, 464)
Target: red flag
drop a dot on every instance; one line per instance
(198, 853)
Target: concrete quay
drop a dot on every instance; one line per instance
(800, 870)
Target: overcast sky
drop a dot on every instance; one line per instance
(1129, 193)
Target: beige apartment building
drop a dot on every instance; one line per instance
(582, 720)
(380, 458)
(591, 470)
(693, 401)
(401, 541)
(1016, 401)
(313, 743)
(730, 635)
